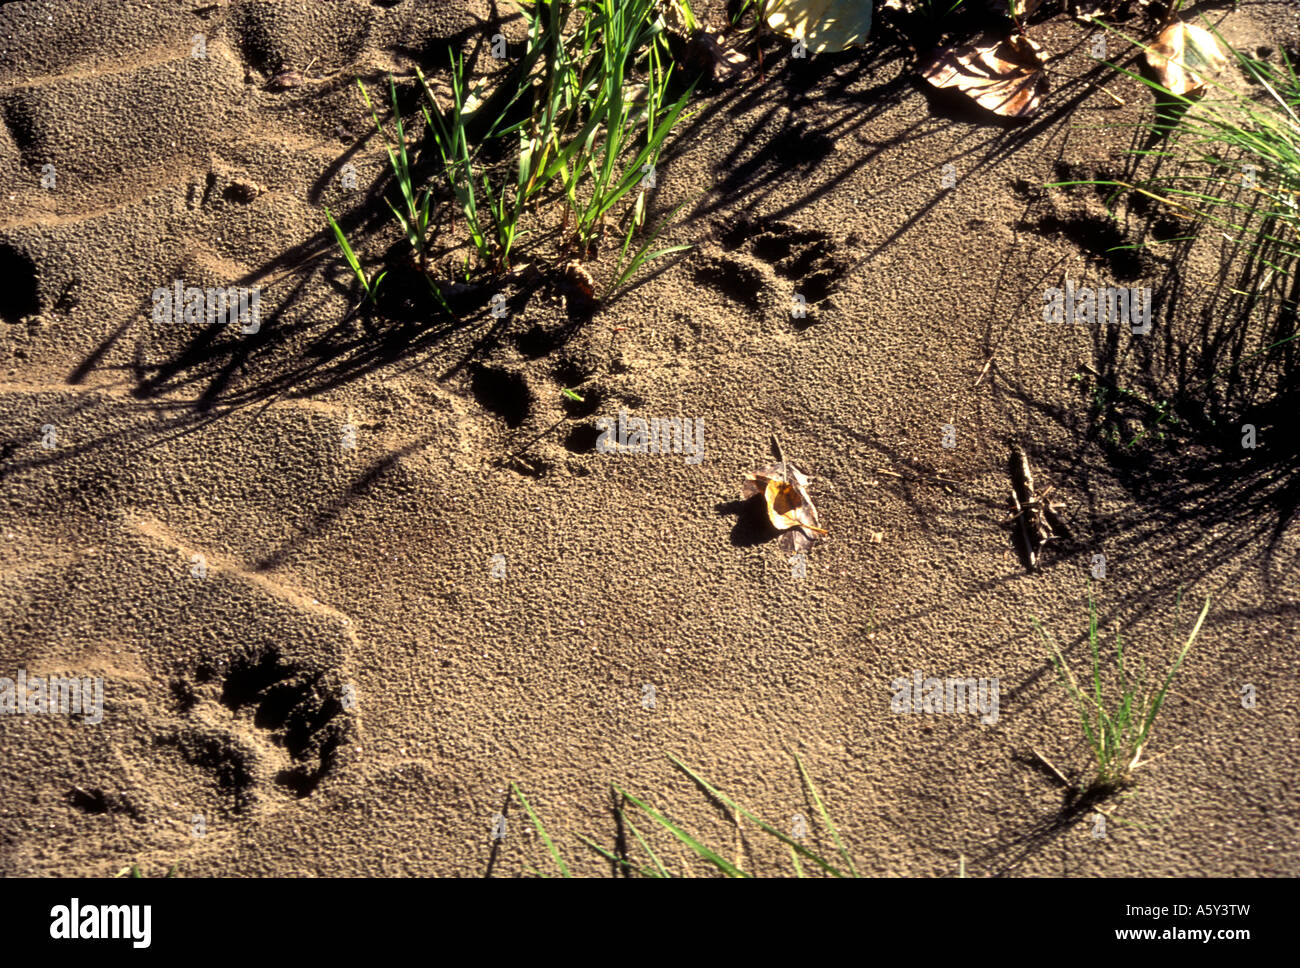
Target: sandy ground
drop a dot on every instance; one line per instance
(310, 654)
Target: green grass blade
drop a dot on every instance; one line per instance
(1173, 671)
(794, 859)
(654, 858)
(826, 817)
(349, 255)
(541, 832)
(724, 865)
(611, 856)
(759, 822)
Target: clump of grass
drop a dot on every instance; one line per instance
(1230, 160)
(596, 134)
(414, 218)
(595, 76)
(134, 871)
(1236, 159)
(414, 215)
(369, 285)
(842, 866)
(604, 152)
(494, 225)
(1117, 728)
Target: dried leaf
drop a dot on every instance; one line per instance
(679, 18)
(285, 80)
(1006, 76)
(1089, 10)
(577, 285)
(823, 25)
(790, 509)
(712, 54)
(786, 507)
(1184, 57)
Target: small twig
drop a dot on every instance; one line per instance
(1030, 557)
(1048, 763)
(918, 477)
(780, 455)
(1152, 759)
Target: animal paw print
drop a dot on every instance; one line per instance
(767, 260)
(809, 258)
(261, 726)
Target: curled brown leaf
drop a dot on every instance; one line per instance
(1003, 75)
(1184, 57)
(790, 509)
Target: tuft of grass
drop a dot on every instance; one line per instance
(414, 218)
(680, 835)
(605, 149)
(494, 225)
(368, 285)
(134, 871)
(594, 78)
(1230, 160)
(1117, 729)
(1235, 158)
(597, 133)
(627, 266)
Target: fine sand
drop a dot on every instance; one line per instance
(277, 548)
